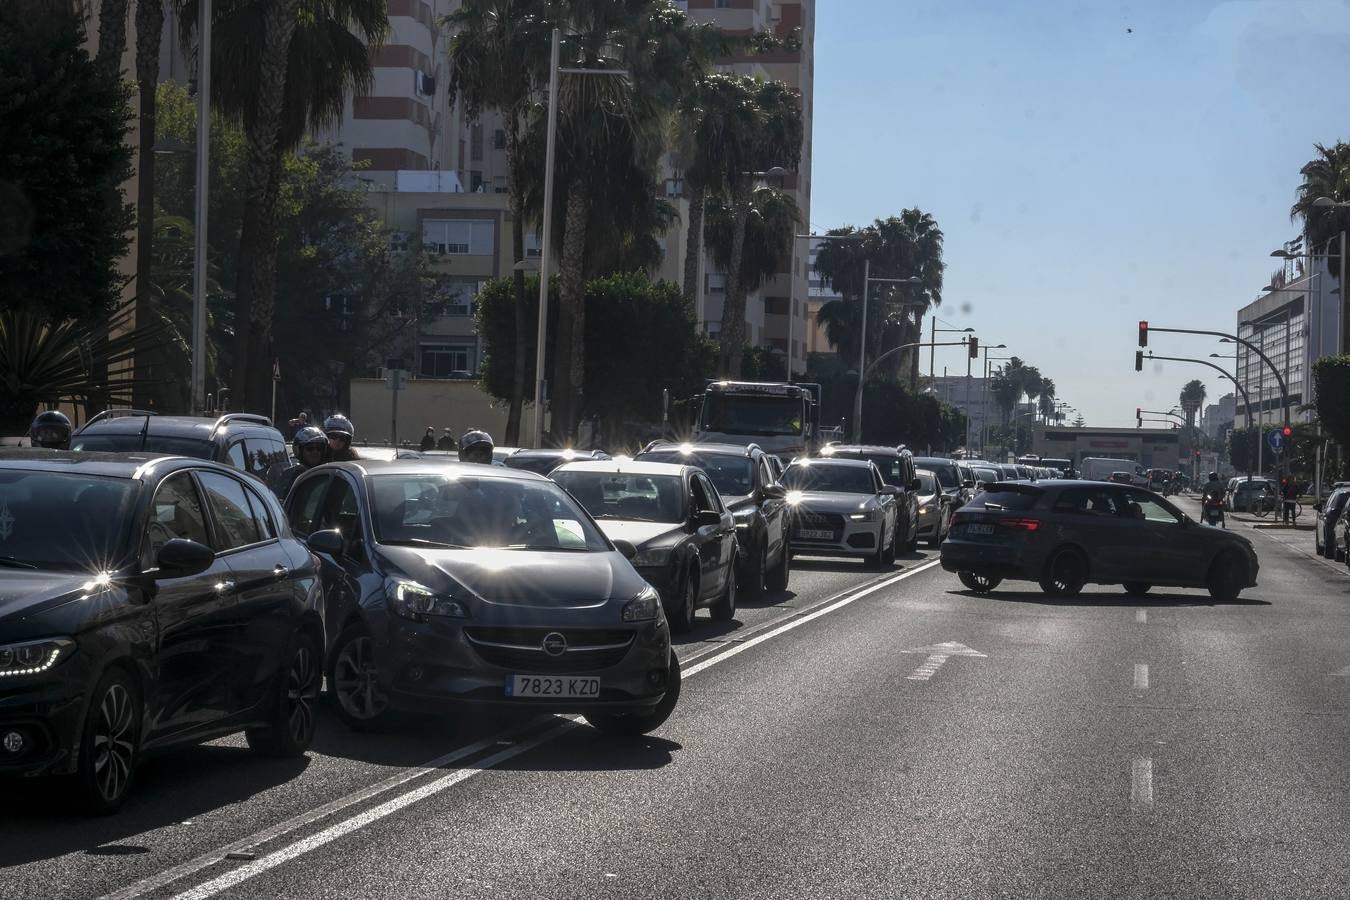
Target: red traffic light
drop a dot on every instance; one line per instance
(1288, 431)
(1197, 454)
(1143, 334)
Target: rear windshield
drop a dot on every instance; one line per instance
(135, 443)
(987, 475)
(1005, 499)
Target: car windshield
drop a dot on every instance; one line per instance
(136, 443)
(946, 472)
(632, 497)
(927, 483)
(65, 521)
(430, 509)
(733, 476)
(986, 475)
(752, 415)
(843, 479)
(889, 464)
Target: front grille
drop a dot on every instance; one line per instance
(588, 649)
(831, 522)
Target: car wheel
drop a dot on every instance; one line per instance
(912, 542)
(1227, 577)
(682, 617)
(778, 575)
(1065, 574)
(877, 559)
(1338, 554)
(109, 744)
(620, 724)
(888, 558)
(759, 566)
(290, 728)
(980, 584)
(1137, 588)
(354, 680)
(724, 610)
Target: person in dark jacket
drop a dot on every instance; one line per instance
(428, 440)
(447, 441)
(340, 431)
(311, 449)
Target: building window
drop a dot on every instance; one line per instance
(464, 237)
(476, 142)
(398, 242)
(475, 181)
(775, 306)
(455, 297)
(444, 360)
(716, 283)
(499, 184)
(498, 139)
(339, 306)
(722, 4)
(532, 250)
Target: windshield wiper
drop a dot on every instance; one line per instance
(12, 563)
(550, 548)
(423, 542)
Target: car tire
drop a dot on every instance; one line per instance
(1227, 577)
(980, 584)
(759, 573)
(634, 724)
(1137, 588)
(877, 559)
(724, 610)
(109, 744)
(778, 575)
(1338, 554)
(353, 680)
(912, 543)
(295, 699)
(682, 617)
(1065, 574)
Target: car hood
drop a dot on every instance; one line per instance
(820, 501)
(524, 578)
(637, 533)
(31, 599)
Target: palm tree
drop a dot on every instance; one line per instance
(771, 222)
(280, 68)
(775, 142)
(1326, 175)
(149, 26)
(1192, 398)
(112, 34)
(1046, 399)
(495, 59)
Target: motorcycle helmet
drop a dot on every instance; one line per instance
(1213, 476)
(309, 436)
(476, 447)
(51, 429)
(338, 424)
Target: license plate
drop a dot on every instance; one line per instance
(815, 534)
(561, 686)
(979, 529)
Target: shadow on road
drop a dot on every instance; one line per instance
(1122, 599)
(584, 749)
(39, 823)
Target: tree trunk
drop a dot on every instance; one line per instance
(732, 337)
(258, 231)
(149, 25)
(569, 342)
(112, 34)
(518, 385)
(694, 247)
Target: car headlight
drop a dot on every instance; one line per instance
(33, 657)
(646, 605)
(925, 510)
(869, 516)
(653, 556)
(413, 601)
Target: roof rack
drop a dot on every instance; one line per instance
(253, 418)
(116, 414)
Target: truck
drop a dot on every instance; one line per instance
(781, 417)
(1098, 468)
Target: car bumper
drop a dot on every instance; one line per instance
(48, 715)
(985, 558)
(929, 526)
(849, 539)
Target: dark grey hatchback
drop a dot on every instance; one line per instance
(459, 585)
(1065, 534)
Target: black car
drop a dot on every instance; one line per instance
(1329, 514)
(955, 478)
(747, 480)
(453, 585)
(242, 441)
(1065, 534)
(148, 603)
(685, 537)
(897, 466)
(541, 462)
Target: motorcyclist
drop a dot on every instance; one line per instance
(340, 431)
(311, 449)
(51, 429)
(476, 447)
(1211, 496)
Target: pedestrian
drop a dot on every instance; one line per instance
(428, 440)
(311, 449)
(1289, 491)
(340, 432)
(51, 429)
(447, 441)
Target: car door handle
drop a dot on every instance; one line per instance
(280, 573)
(225, 586)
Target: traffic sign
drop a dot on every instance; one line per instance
(1275, 438)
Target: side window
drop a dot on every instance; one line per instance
(1142, 506)
(877, 480)
(1086, 501)
(176, 512)
(237, 457)
(765, 472)
(714, 498)
(305, 505)
(703, 495)
(341, 511)
(262, 515)
(230, 507)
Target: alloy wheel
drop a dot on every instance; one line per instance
(302, 692)
(355, 680)
(113, 746)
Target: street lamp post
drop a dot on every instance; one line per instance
(932, 347)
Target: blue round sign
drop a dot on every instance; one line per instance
(1275, 439)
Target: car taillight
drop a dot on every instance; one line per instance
(1020, 524)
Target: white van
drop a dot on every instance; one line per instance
(1096, 468)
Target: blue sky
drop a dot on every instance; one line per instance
(1084, 177)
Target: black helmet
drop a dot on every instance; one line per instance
(475, 446)
(339, 424)
(51, 429)
(1213, 476)
(307, 436)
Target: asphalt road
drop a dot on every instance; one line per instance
(864, 736)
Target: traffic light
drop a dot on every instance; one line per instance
(1197, 454)
(1143, 334)
(973, 346)
(1139, 360)
(1288, 431)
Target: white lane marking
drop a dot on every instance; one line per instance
(333, 832)
(1140, 677)
(1141, 616)
(938, 654)
(1141, 783)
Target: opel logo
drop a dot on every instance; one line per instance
(554, 644)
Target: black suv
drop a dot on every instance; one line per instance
(146, 603)
(897, 466)
(745, 478)
(242, 441)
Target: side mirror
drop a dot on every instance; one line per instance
(626, 548)
(915, 484)
(180, 558)
(707, 517)
(329, 542)
(967, 484)
(774, 491)
(889, 490)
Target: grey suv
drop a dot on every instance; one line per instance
(898, 469)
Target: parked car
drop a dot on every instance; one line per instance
(897, 466)
(1121, 478)
(950, 477)
(684, 535)
(1329, 513)
(841, 507)
(935, 508)
(242, 441)
(453, 584)
(544, 461)
(744, 477)
(1247, 491)
(1066, 534)
(149, 603)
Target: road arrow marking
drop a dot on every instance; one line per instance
(1344, 673)
(938, 654)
